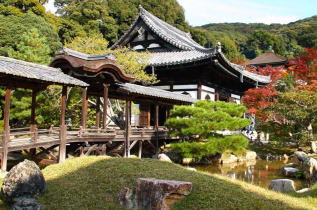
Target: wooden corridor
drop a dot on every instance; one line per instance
(23, 139)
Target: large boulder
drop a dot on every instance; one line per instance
(230, 159)
(290, 172)
(26, 204)
(160, 194)
(154, 194)
(24, 180)
(250, 155)
(310, 166)
(163, 157)
(299, 157)
(282, 185)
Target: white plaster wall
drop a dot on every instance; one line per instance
(204, 94)
(193, 94)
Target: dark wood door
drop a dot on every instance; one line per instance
(144, 117)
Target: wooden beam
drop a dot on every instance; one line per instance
(140, 149)
(98, 112)
(127, 127)
(156, 124)
(33, 120)
(6, 137)
(156, 121)
(84, 108)
(132, 145)
(62, 145)
(91, 149)
(199, 92)
(33, 107)
(105, 105)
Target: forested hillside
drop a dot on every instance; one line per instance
(111, 18)
(251, 40)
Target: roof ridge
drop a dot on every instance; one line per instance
(86, 56)
(26, 63)
(186, 36)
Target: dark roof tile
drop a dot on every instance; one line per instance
(34, 71)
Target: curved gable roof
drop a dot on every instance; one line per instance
(165, 31)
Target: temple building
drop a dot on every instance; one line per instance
(268, 58)
(184, 66)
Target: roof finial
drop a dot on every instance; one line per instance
(218, 47)
(270, 49)
(140, 7)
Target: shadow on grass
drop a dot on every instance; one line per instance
(94, 182)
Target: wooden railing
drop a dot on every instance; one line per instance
(142, 132)
(28, 133)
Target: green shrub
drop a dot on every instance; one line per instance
(236, 144)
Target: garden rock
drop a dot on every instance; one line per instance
(152, 193)
(187, 161)
(191, 169)
(160, 194)
(125, 198)
(282, 185)
(313, 147)
(289, 171)
(299, 157)
(310, 166)
(314, 177)
(26, 204)
(231, 159)
(24, 180)
(163, 157)
(250, 155)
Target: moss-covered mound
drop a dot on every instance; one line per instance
(94, 182)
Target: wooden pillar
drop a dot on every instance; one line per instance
(140, 149)
(98, 112)
(156, 124)
(105, 105)
(33, 107)
(127, 128)
(6, 128)
(62, 145)
(199, 92)
(84, 108)
(33, 120)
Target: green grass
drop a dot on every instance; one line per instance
(94, 182)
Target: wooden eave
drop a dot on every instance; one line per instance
(91, 68)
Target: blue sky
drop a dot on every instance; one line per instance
(200, 12)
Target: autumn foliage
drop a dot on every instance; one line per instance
(289, 103)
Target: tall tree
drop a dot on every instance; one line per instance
(18, 7)
(12, 27)
(32, 48)
(200, 125)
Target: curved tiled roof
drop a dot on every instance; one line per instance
(38, 72)
(167, 32)
(244, 72)
(154, 92)
(84, 56)
(266, 58)
(177, 57)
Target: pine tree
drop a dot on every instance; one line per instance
(32, 48)
(200, 125)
